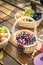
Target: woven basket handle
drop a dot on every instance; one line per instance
(35, 26)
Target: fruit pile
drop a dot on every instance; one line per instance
(26, 20)
(29, 12)
(25, 38)
(37, 16)
(3, 33)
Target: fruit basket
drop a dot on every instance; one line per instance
(33, 17)
(20, 41)
(28, 22)
(4, 36)
(27, 12)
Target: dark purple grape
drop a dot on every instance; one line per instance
(37, 16)
(25, 39)
(20, 47)
(17, 38)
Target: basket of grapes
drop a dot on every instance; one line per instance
(28, 17)
(25, 40)
(27, 12)
(4, 36)
(28, 22)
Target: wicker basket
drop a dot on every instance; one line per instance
(31, 25)
(5, 42)
(27, 49)
(28, 24)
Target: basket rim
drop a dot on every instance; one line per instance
(7, 38)
(30, 32)
(16, 14)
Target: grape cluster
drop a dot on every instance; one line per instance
(37, 16)
(3, 33)
(25, 39)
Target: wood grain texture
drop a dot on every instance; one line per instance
(7, 60)
(21, 58)
(4, 10)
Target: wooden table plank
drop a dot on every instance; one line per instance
(1, 20)
(12, 14)
(14, 3)
(9, 25)
(17, 10)
(2, 15)
(6, 18)
(11, 21)
(7, 60)
(5, 10)
(1, 2)
(8, 12)
(22, 59)
(8, 6)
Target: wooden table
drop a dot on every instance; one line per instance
(11, 53)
